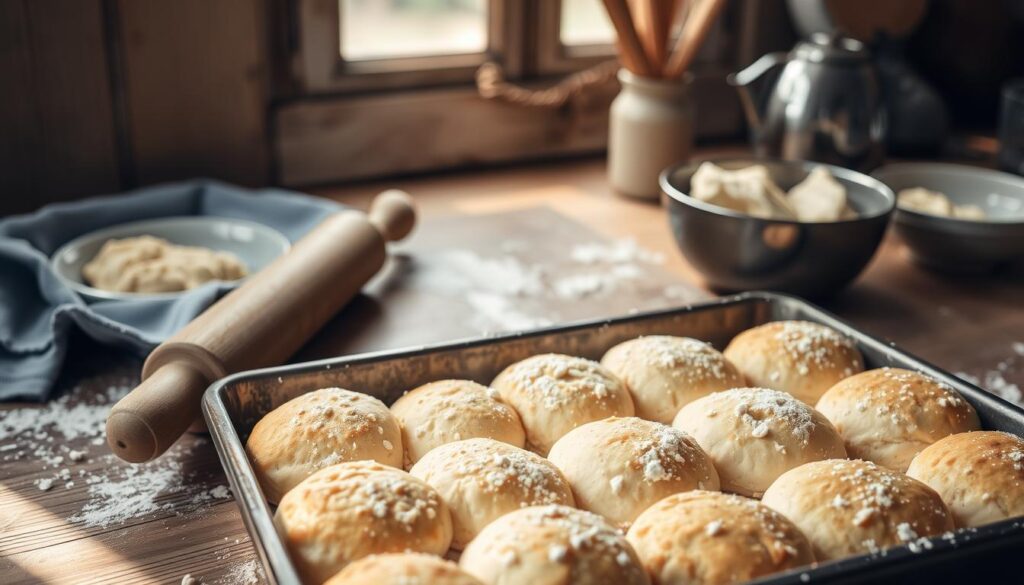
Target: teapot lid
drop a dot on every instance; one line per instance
(831, 48)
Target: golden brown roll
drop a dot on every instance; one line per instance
(483, 479)
(402, 569)
(709, 538)
(664, 373)
(352, 510)
(618, 467)
(554, 394)
(552, 545)
(754, 435)
(855, 507)
(799, 357)
(453, 410)
(979, 475)
(317, 430)
(889, 415)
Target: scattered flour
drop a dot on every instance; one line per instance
(497, 312)
(994, 380)
(247, 573)
(128, 492)
(83, 420)
(65, 438)
(506, 293)
(617, 252)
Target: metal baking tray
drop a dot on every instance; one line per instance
(234, 404)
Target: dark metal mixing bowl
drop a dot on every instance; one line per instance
(738, 252)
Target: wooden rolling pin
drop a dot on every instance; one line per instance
(261, 323)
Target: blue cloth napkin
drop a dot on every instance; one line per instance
(38, 312)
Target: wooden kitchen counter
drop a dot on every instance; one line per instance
(101, 521)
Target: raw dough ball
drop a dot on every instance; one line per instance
(708, 538)
(799, 357)
(483, 479)
(754, 435)
(402, 569)
(979, 475)
(925, 201)
(935, 203)
(855, 507)
(151, 265)
(972, 212)
(750, 190)
(352, 510)
(889, 415)
(319, 429)
(663, 373)
(453, 410)
(618, 467)
(552, 545)
(554, 394)
(819, 197)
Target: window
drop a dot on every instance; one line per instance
(381, 29)
(400, 75)
(358, 45)
(584, 22)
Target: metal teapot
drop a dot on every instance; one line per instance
(825, 104)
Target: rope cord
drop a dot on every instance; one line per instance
(491, 83)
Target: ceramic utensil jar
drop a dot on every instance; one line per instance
(650, 129)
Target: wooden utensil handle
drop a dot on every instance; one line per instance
(147, 421)
(261, 323)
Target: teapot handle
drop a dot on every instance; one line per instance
(755, 70)
(742, 80)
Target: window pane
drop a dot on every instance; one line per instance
(378, 29)
(584, 22)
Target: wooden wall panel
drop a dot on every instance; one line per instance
(196, 88)
(354, 138)
(57, 138)
(351, 138)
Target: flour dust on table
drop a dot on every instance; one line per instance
(511, 292)
(63, 441)
(994, 380)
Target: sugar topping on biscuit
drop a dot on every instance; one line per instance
(660, 457)
(386, 494)
(758, 407)
(905, 390)
(870, 490)
(552, 376)
(584, 533)
(685, 356)
(532, 473)
(813, 345)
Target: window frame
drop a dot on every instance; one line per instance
(554, 58)
(318, 66)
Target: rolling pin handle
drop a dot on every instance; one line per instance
(150, 419)
(393, 213)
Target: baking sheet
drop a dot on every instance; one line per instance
(234, 404)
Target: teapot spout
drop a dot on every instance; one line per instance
(744, 80)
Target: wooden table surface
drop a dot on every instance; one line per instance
(102, 521)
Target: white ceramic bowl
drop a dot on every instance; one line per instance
(255, 244)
